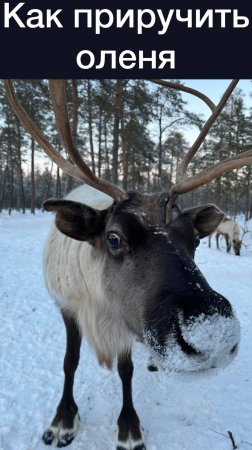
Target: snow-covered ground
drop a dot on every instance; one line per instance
(177, 412)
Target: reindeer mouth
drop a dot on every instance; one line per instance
(187, 348)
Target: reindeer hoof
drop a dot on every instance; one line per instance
(63, 435)
(152, 368)
(138, 447)
(48, 437)
(65, 439)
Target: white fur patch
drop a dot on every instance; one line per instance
(90, 196)
(54, 430)
(73, 431)
(130, 444)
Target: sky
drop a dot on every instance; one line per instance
(214, 89)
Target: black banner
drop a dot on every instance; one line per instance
(42, 38)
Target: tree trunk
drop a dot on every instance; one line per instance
(6, 170)
(235, 193)
(20, 172)
(11, 177)
(107, 162)
(90, 125)
(100, 143)
(117, 117)
(125, 155)
(134, 174)
(160, 146)
(32, 177)
(58, 184)
(248, 205)
(217, 190)
(49, 182)
(171, 170)
(148, 173)
(74, 127)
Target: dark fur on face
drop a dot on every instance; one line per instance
(237, 246)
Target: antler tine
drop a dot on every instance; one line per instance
(58, 98)
(188, 90)
(207, 175)
(79, 171)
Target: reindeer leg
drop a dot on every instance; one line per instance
(228, 242)
(217, 241)
(65, 422)
(129, 432)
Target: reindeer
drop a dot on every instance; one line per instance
(122, 268)
(230, 230)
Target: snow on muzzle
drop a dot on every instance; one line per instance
(195, 342)
(213, 338)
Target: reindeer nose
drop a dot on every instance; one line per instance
(216, 303)
(224, 307)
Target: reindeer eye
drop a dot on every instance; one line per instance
(113, 241)
(197, 242)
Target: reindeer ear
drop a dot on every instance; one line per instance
(76, 220)
(205, 218)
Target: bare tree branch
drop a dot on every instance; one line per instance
(188, 90)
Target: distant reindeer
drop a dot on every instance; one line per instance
(122, 268)
(230, 230)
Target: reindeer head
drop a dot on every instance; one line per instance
(237, 243)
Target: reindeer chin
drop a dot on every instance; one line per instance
(202, 343)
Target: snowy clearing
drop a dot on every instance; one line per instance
(177, 412)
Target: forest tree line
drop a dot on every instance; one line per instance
(130, 132)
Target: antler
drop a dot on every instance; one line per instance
(79, 169)
(245, 230)
(183, 182)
